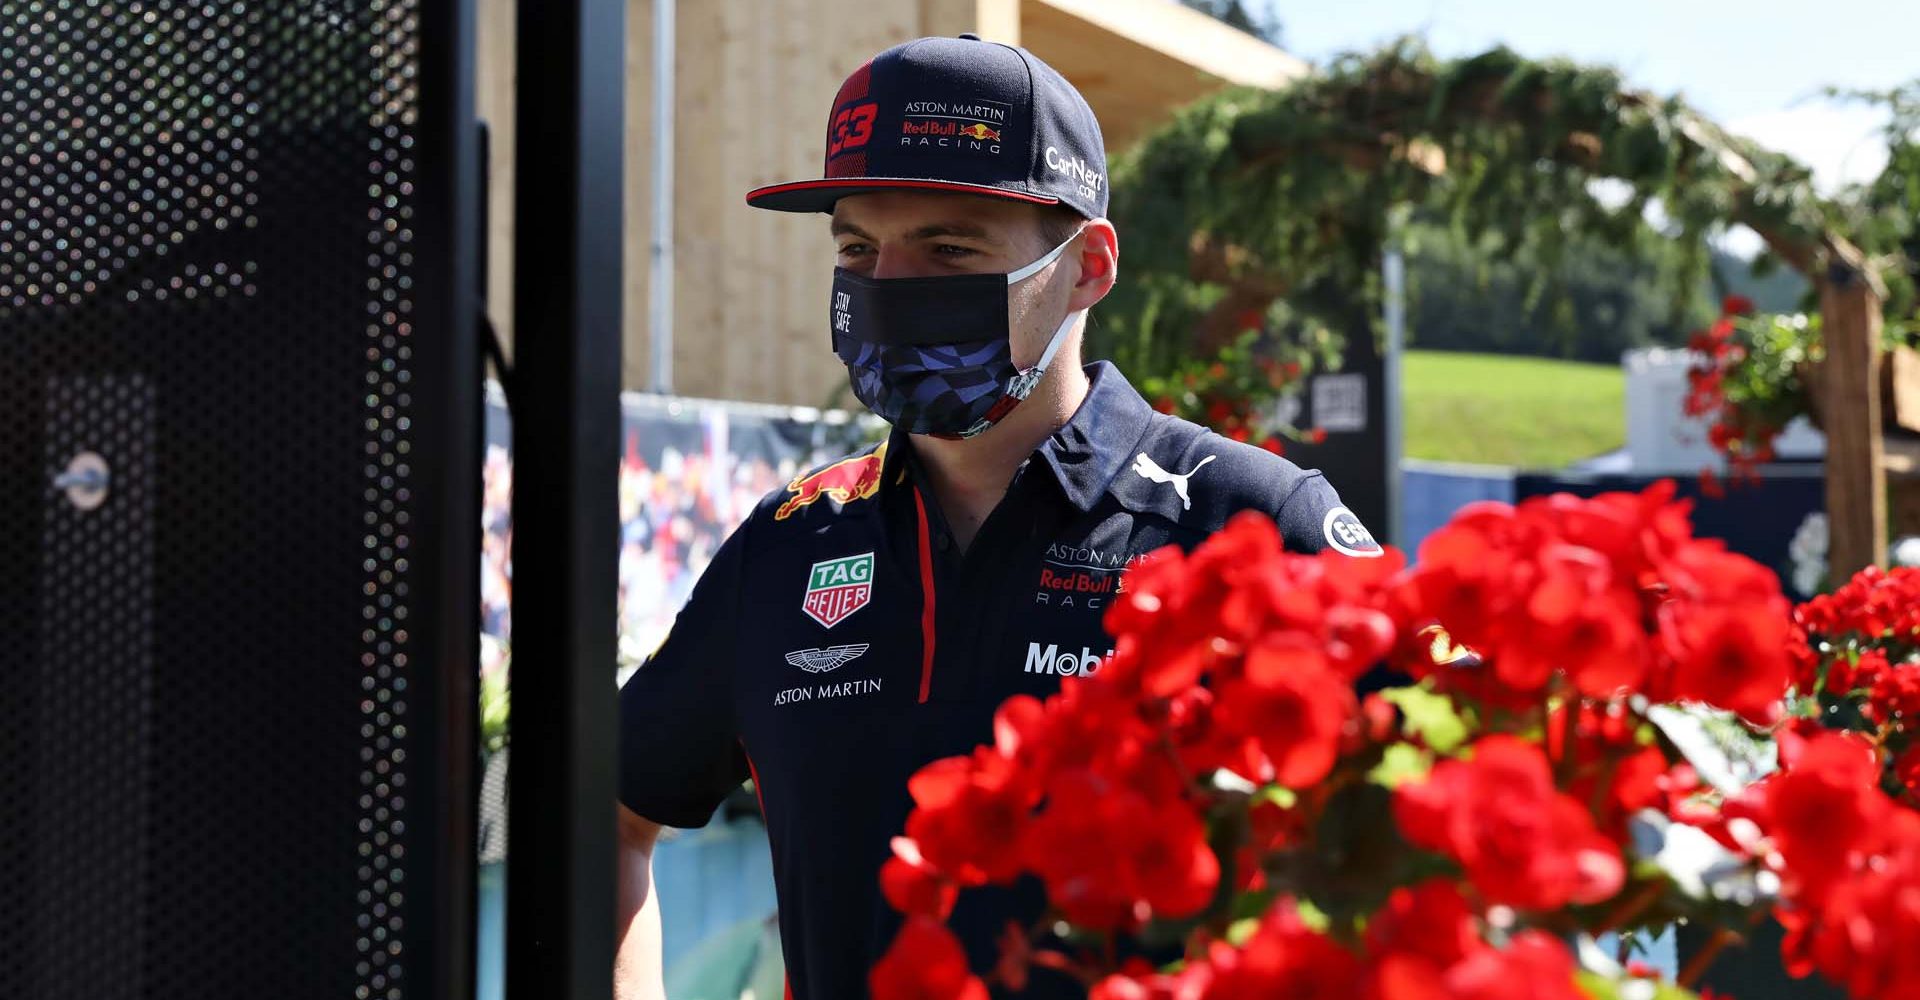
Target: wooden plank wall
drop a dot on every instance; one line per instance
(493, 102)
(755, 78)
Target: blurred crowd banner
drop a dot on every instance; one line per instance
(690, 472)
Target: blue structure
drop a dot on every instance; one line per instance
(1431, 492)
(711, 881)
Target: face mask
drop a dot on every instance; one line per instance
(934, 355)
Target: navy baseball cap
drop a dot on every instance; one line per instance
(958, 115)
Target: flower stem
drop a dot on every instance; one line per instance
(1697, 965)
(1630, 907)
(1569, 721)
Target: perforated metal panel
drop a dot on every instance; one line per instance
(238, 499)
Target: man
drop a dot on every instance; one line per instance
(868, 618)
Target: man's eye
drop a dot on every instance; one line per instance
(950, 250)
(853, 249)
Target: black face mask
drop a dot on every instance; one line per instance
(934, 355)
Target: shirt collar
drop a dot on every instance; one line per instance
(1099, 438)
(1085, 454)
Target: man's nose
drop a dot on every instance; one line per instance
(898, 262)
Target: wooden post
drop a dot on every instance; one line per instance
(1850, 312)
(998, 20)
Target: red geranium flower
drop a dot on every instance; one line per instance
(1533, 966)
(912, 886)
(1734, 657)
(1864, 932)
(1283, 958)
(1521, 842)
(1140, 982)
(969, 815)
(1822, 811)
(1412, 942)
(1110, 857)
(1289, 703)
(925, 962)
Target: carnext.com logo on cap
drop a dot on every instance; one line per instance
(1089, 179)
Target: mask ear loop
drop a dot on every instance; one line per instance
(1015, 277)
(1022, 383)
(1059, 337)
(1027, 379)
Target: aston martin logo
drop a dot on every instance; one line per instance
(819, 661)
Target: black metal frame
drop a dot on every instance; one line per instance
(565, 401)
(449, 422)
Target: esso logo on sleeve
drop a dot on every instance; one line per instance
(1346, 534)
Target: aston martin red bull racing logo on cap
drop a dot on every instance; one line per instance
(843, 482)
(973, 125)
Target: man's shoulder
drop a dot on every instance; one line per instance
(846, 485)
(1190, 474)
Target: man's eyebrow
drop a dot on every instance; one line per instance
(959, 228)
(841, 227)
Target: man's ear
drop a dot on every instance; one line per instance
(1099, 258)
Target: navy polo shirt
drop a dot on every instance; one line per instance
(839, 641)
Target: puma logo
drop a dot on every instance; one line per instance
(1149, 469)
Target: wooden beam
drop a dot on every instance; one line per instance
(948, 17)
(1850, 316)
(997, 20)
(1185, 35)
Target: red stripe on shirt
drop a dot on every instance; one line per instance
(926, 599)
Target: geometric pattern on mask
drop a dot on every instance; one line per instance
(929, 388)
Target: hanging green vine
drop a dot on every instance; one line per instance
(1254, 215)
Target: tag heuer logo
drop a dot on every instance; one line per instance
(837, 588)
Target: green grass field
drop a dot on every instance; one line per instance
(1529, 412)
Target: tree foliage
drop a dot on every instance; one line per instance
(1885, 212)
(1234, 12)
(1488, 297)
(1251, 197)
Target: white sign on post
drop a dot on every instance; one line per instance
(1340, 402)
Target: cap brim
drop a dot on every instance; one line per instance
(819, 195)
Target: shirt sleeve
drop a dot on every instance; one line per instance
(1312, 519)
(680, 749)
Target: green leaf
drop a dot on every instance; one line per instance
(1430, 716)
(495, 706)
(1596, 986)
(1599, 987)
(1402, 763)
(1251, 905)
(1278, 795)
(1311, 915)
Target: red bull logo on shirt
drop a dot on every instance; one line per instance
(843, 482)
(980, 132)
